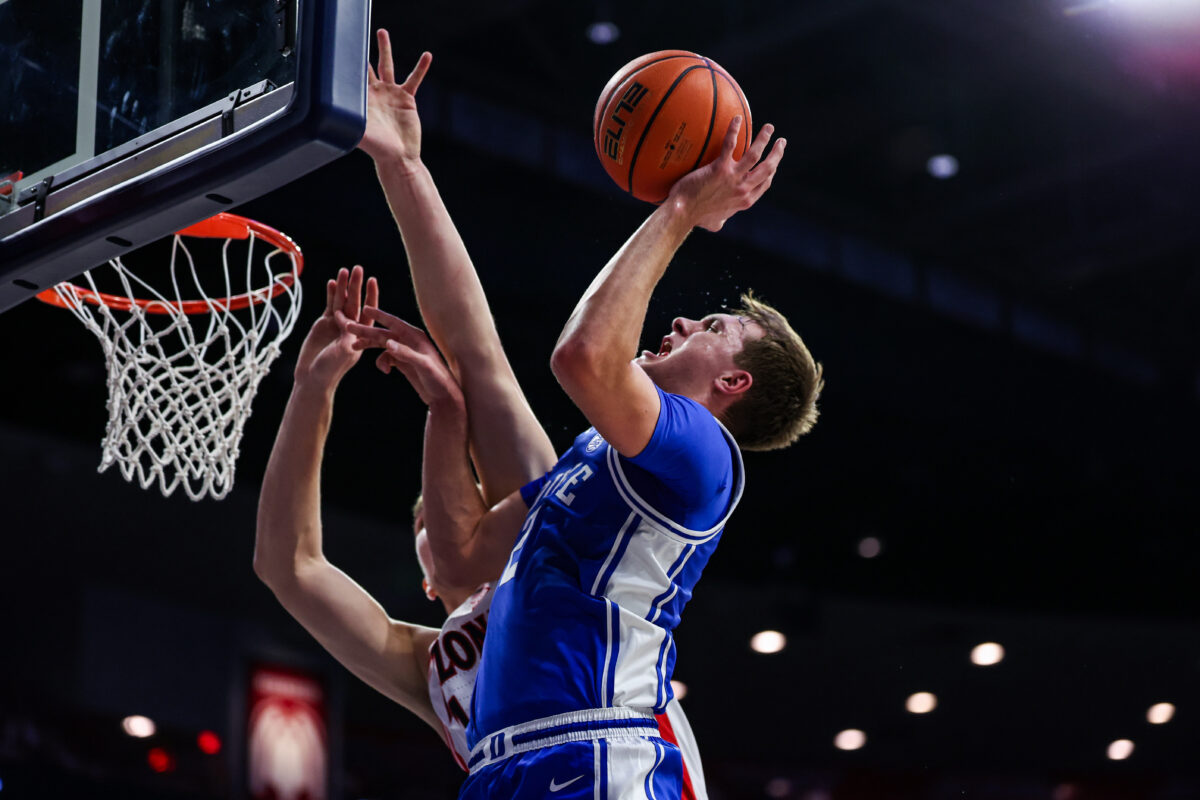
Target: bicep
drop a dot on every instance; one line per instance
(622, 406)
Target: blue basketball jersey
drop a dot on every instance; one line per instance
(607, 558)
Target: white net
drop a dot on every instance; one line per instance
(180, 385)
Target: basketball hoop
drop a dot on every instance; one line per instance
(180, 387)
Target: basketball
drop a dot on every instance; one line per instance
(663, 115)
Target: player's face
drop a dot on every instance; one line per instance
(697, 352)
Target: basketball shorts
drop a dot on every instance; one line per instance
(584, 755)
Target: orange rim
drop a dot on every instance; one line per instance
(222, 226)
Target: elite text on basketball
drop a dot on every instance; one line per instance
(613, 146)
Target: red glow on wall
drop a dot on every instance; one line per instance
(208, 742)
(286, 736)
(160, 760)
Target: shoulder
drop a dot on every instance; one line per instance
(686, 433)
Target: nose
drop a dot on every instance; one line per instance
(683, 326)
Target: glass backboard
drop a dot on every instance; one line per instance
(124, 120)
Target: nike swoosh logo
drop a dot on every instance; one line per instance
(555, 786)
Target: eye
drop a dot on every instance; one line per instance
(715, 326)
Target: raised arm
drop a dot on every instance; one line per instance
(508, 444)
(469, 541)
(389, 655)
(593, 357)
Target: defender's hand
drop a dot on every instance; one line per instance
(328, 351)
(712, 194)
(408, 349)
(393, 127)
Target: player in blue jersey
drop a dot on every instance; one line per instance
(610, 543)
(398, 658)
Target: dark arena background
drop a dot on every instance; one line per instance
(986, 229)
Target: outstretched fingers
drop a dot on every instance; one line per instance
(764, 171)
(757, 148)
(413, 81)
(353, 304)
(337, 298)
(394, 330)
(423, 368)
(331, 296)
(372, 300)
(387, 70)
(394, 356)
(731, 137)
(392, 323)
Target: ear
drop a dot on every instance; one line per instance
(733, 382)
(429, 592)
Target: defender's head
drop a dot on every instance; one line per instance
(424, 554)
(748, 367)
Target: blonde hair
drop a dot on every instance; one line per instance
(781, 404)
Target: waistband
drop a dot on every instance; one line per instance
(574, 726)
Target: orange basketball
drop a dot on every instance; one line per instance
(661, 116)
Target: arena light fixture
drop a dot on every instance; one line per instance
(1167, 9)
(869, 547)
(850, 739)
(768, 642)
(1156, 12)
(139, 727)
(921, 702)
(1160, 713)
(987, 654)
(603, 32)
(942, 166)
(1120, 750)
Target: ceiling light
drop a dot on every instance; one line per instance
(1160, 713)
(1161, 11)
(921, 702)
(870, 547)
(986, 654)
(603, 32)
(1120, 750)
(139, 727)
(768, 642)
(850, 739)
(942, 166)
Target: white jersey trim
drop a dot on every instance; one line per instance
(596, 588)
(671, 527)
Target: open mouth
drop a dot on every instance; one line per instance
(663, 350)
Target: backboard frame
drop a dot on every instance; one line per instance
(251, 142)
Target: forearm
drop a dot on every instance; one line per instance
(509, 444)
(453, 506)
(448, 290)
(289, 508)
(606, 325)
